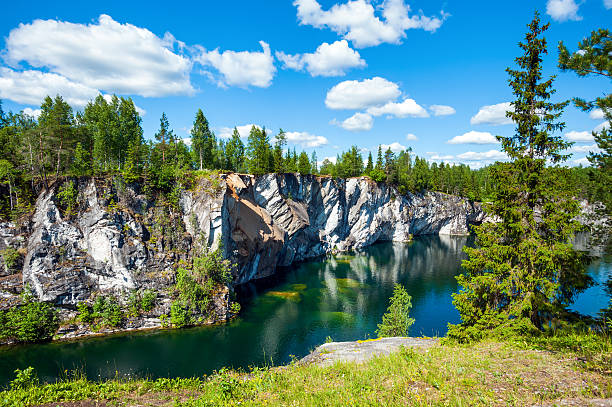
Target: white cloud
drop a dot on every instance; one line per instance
(581, 161)
(404, 109)
(187, 141)
(608, 4)
(584, 149)
(597, 114)
(563, 10)
(442, 110)
(244, 130)
(601, 126)
(357, 20)
(330, 159)
(493, 114)
(306, 140)
(395, 147)
(32, 112)
(31, 87)
(109, 99)
(106, 56)
(328, 60)
(474, 137)
(579, 136)
(411, 137)
(491, 155)
(242, 69)
(357, 122)
(361, 94)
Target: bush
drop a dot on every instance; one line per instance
(396, 321)
(24, 379)
(67, 196)
(108, 311)
(180, 314)
(148, 299)
(10, 257)
(32, 322)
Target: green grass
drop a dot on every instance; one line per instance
(492, 372)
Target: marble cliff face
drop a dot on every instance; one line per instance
(118, 239)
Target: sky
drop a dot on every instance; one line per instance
(427, 75)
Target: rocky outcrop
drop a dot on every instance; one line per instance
(116, 239)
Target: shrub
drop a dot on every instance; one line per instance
(180, 314)
(32, 322)
(85, 315)
(108, 311)
(67, 196)
(148, 300)
(10, 257)
(396, 321)
(24, 379)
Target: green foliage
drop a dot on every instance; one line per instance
(259, 152)
(235, 308)
(141, 301)
(33, 321)
(180, 314)
(396, 321)
(67, 197)
(24, 379)
(148, 299)
(196, 283)
(106, 311)
(10, 256)
(524, 271)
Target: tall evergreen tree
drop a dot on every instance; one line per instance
(313, 162)
(524, 269)
(258, 151)
(279, 145)
(164, 133)
(370, 166)
(234, 151)
(304, 164)
(55, 121)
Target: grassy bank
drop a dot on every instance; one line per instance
(575, 367)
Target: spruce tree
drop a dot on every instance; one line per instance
(524, 271)
(279, 145)
(304, 164)
(235, 152)
(370, 166)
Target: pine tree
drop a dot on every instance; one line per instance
(313, 162)
(396, 321)
(258, 151)
(370, 165)
(55, 122)
(164, 134)
(379, 159)
(524, 270)
(279, 145)
(304, 164)
(234, 151)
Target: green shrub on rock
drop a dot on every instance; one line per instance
(31, 322)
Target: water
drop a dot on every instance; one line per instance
(342, 297)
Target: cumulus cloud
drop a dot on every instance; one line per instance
(106, 56)
(395, 147)
(579, 136)
(442, 110)
(361, 94)
(411, 137)
(358, 21)
(474, 137)
(409, 107)
(601, 126)
(357, 122)
(563, 10)
(491, 155)
(581, 161)
(32, 112)
(597, 114)
(328, 60)
(243, 68)
(31, 87)
(306, 140)
(584, 149)
(493, 114)
(244, 130)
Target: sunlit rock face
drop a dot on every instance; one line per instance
(119, 239)
(278, 219)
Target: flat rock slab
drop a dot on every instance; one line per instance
(361, 351)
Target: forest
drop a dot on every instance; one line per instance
(107, 138)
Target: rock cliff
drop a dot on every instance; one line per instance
(117, 238)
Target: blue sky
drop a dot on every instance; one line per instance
(423, 74)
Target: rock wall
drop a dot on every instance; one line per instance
(117, 239)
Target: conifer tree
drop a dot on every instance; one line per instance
(164, 134)
(313, 162)
(524, 270)
(304, 164)
(370, 166)
(279, 145)
(235, 152)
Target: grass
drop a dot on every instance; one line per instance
(492, 372)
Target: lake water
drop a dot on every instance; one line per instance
(342, 297)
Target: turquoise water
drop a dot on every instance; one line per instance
(342, 297)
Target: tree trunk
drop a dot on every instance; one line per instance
(200, 159)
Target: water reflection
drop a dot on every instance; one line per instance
(342, 296)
